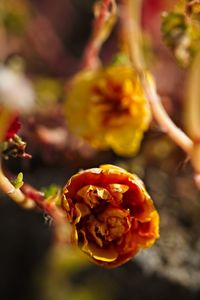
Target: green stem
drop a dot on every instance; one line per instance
(15, 194)
(192, 103)
(192, 111)
(162, 118)
(131, 32)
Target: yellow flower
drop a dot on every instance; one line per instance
(111, 213)
(107, 107)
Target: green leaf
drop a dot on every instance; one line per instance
(121, 59)
(173, 27)
(51, 190)
(18, 181)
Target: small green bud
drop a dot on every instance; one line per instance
(18, 181)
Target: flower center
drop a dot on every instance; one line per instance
(98, 215)
(109, 226)
(93, 195)
(114, 100)
(116, 227)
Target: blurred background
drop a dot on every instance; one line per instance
(45, 40)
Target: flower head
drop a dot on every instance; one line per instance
(16, 96)
(16, 91)
(112, 214)
(108, 108)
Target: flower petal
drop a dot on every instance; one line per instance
(97, 253)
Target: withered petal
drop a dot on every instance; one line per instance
(149, 229)
(148, 232)
(112, 169)
(92, 195)
(117, 190)
(82, 210)
(120, 188)
(95, 226)
(97, 253)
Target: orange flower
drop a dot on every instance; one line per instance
(108, 108)
(112, 214)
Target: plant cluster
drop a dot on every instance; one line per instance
(104, 211)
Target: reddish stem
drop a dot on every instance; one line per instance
(62, 228)
(90, 55)
(161, 116)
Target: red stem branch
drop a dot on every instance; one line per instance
(103, 13)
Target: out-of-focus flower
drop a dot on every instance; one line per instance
(181, 30)
(16, 91)
(16, 97)
(112, 214)
(13, 129)
(14, 15)
(151, 11)
(107, 107)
